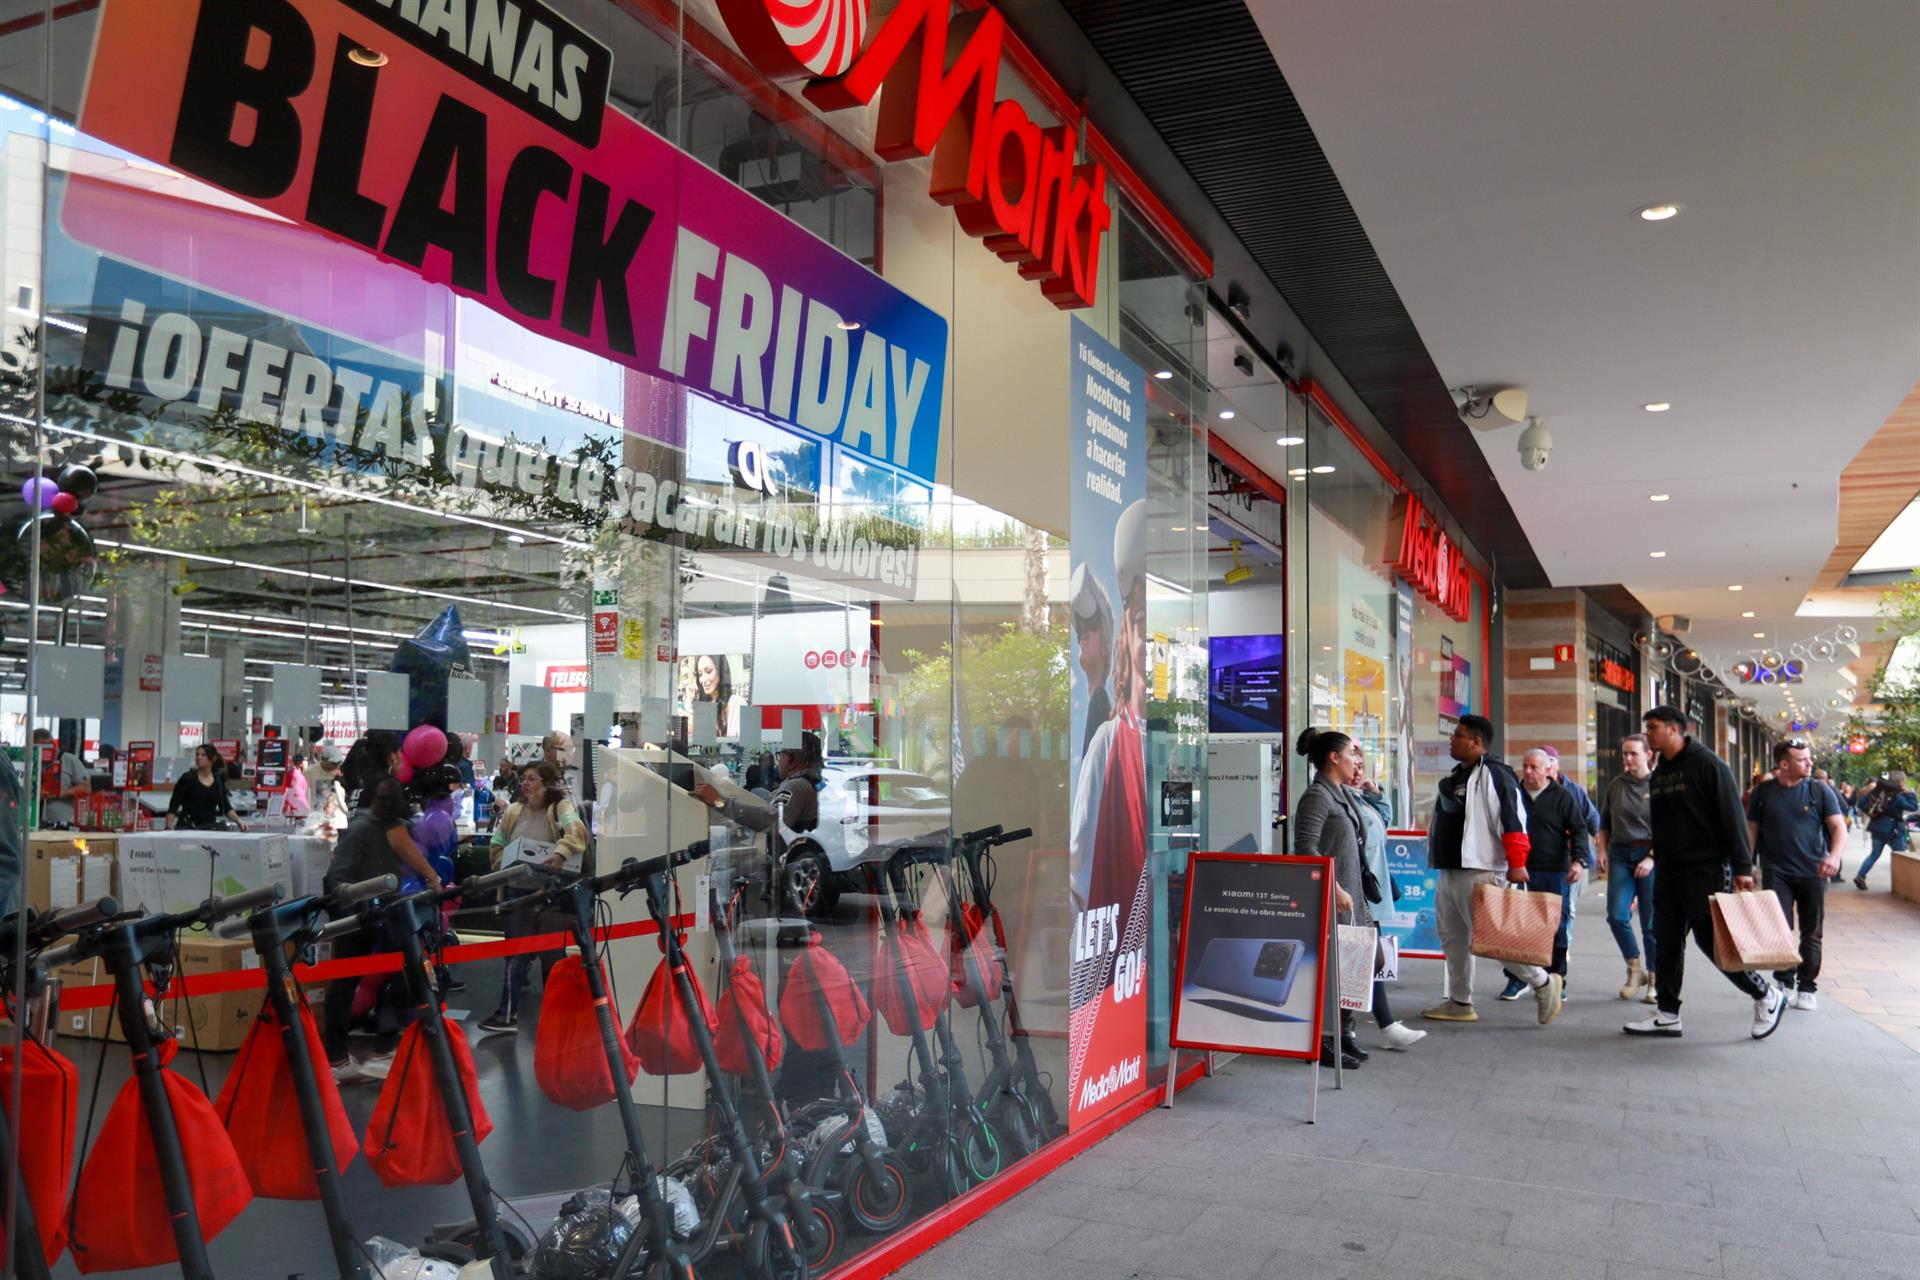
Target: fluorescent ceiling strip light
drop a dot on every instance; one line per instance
(226, 563)
(328, 631)
(311, 486)
(55, 321)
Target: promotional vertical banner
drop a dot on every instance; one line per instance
(1107, 853)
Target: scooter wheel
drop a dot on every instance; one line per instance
(982, 1152)
(879, 1202)
(1019, 1127)
(776, 1255)
(821, 1230)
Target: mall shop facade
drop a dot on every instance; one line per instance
(698, 388)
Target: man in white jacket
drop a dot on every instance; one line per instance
(1479, 831)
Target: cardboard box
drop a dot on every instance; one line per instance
(47, 850)
(219, 1021)
(176, 870)
(89, 1023)
(309, 856)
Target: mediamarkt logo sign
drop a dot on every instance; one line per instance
(1010, 182)
(1429, 561)
(1118, 1076)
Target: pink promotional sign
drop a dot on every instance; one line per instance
(482, 155)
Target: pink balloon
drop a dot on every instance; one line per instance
(424, 746)
(404, 772)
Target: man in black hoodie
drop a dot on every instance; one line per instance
(1699, 833)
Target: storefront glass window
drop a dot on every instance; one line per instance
(726, 517)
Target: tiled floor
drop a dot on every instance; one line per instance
(1504, 1149)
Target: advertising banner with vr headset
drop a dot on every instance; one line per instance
(1107, 1005)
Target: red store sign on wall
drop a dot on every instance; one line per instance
(1010, 182)
(1429, 561)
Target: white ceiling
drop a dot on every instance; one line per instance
(1496, 152)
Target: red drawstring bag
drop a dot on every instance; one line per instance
(49, 1099)
(262, 1115)
(569, 1062)
(743, 1013)
(817, 971)
(926, 981)
(661, 1035)
(121, 1219)
(976, 959)
(410, 1138)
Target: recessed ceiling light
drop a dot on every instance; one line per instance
(1163, 374)
(1179, 528)
(1747, 614)
(1735, 587)
(1226, 415)
(1660, 212)
(515, 538)
(1658, 555)
(850, 325)
(1287, 442)
(1658, 406)
(367, 57)
(1759, 635)
(1298, 472)
(1658, 497)
(1324, 469)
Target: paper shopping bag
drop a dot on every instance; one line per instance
(1750, 931)
(1515, 927)
(1357, 944)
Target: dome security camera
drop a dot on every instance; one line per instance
(1536, 442)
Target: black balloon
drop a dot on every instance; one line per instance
(68, 558)
(435, 653)
(78, 481)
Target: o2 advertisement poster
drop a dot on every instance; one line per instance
(1253, 954)
(1107, 849)
(1410, 918)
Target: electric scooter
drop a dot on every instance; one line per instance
(1027, 1083)
(770, 1247)
(664, 1256)
(1016, 1114)
(134, 949)
(278, 931)
(42, 928)
(816, 1210)
(407, 919)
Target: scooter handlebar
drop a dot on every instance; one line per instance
(344, 925)
(54, 957)
(1024, 833)
(217, 909)
(57, 924)
(491, 880)
(634, 870)
(982, 836)
(348, 894)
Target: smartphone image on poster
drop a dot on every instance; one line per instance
(1258, 970)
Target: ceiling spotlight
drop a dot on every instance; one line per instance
(850, 325)
(1298, 473)
(1658, 555)
(1759, 635)
(1734, 587)
(1324, 469)
(1226, 415)
(1658, 406)
(1287, 442)
(1658, 497)
(1747, 614)
(1660, 212)
(1163, 374)
(367, 57)
(1240, 572)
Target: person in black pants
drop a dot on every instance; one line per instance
(1798, 834)
(1699, 833)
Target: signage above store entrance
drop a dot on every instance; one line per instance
(628, 248)
(1011, 182)
(1429, 561)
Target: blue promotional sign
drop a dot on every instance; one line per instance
(1411, 917)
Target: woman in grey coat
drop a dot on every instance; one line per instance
(1327, 825)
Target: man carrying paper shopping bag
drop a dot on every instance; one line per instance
(1699, 833)
(1798, 836)
(1478, 831)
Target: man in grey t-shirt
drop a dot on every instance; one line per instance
(1626, 841)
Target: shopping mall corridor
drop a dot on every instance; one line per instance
(1504, 1150)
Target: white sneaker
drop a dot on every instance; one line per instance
(1398, 1035)
(376, 1067)
(1660, 1024)
(348, 1072)
(1766, 1012)
(1805, 1000)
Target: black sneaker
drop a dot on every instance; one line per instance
(504, 1023)
(1860, 883)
